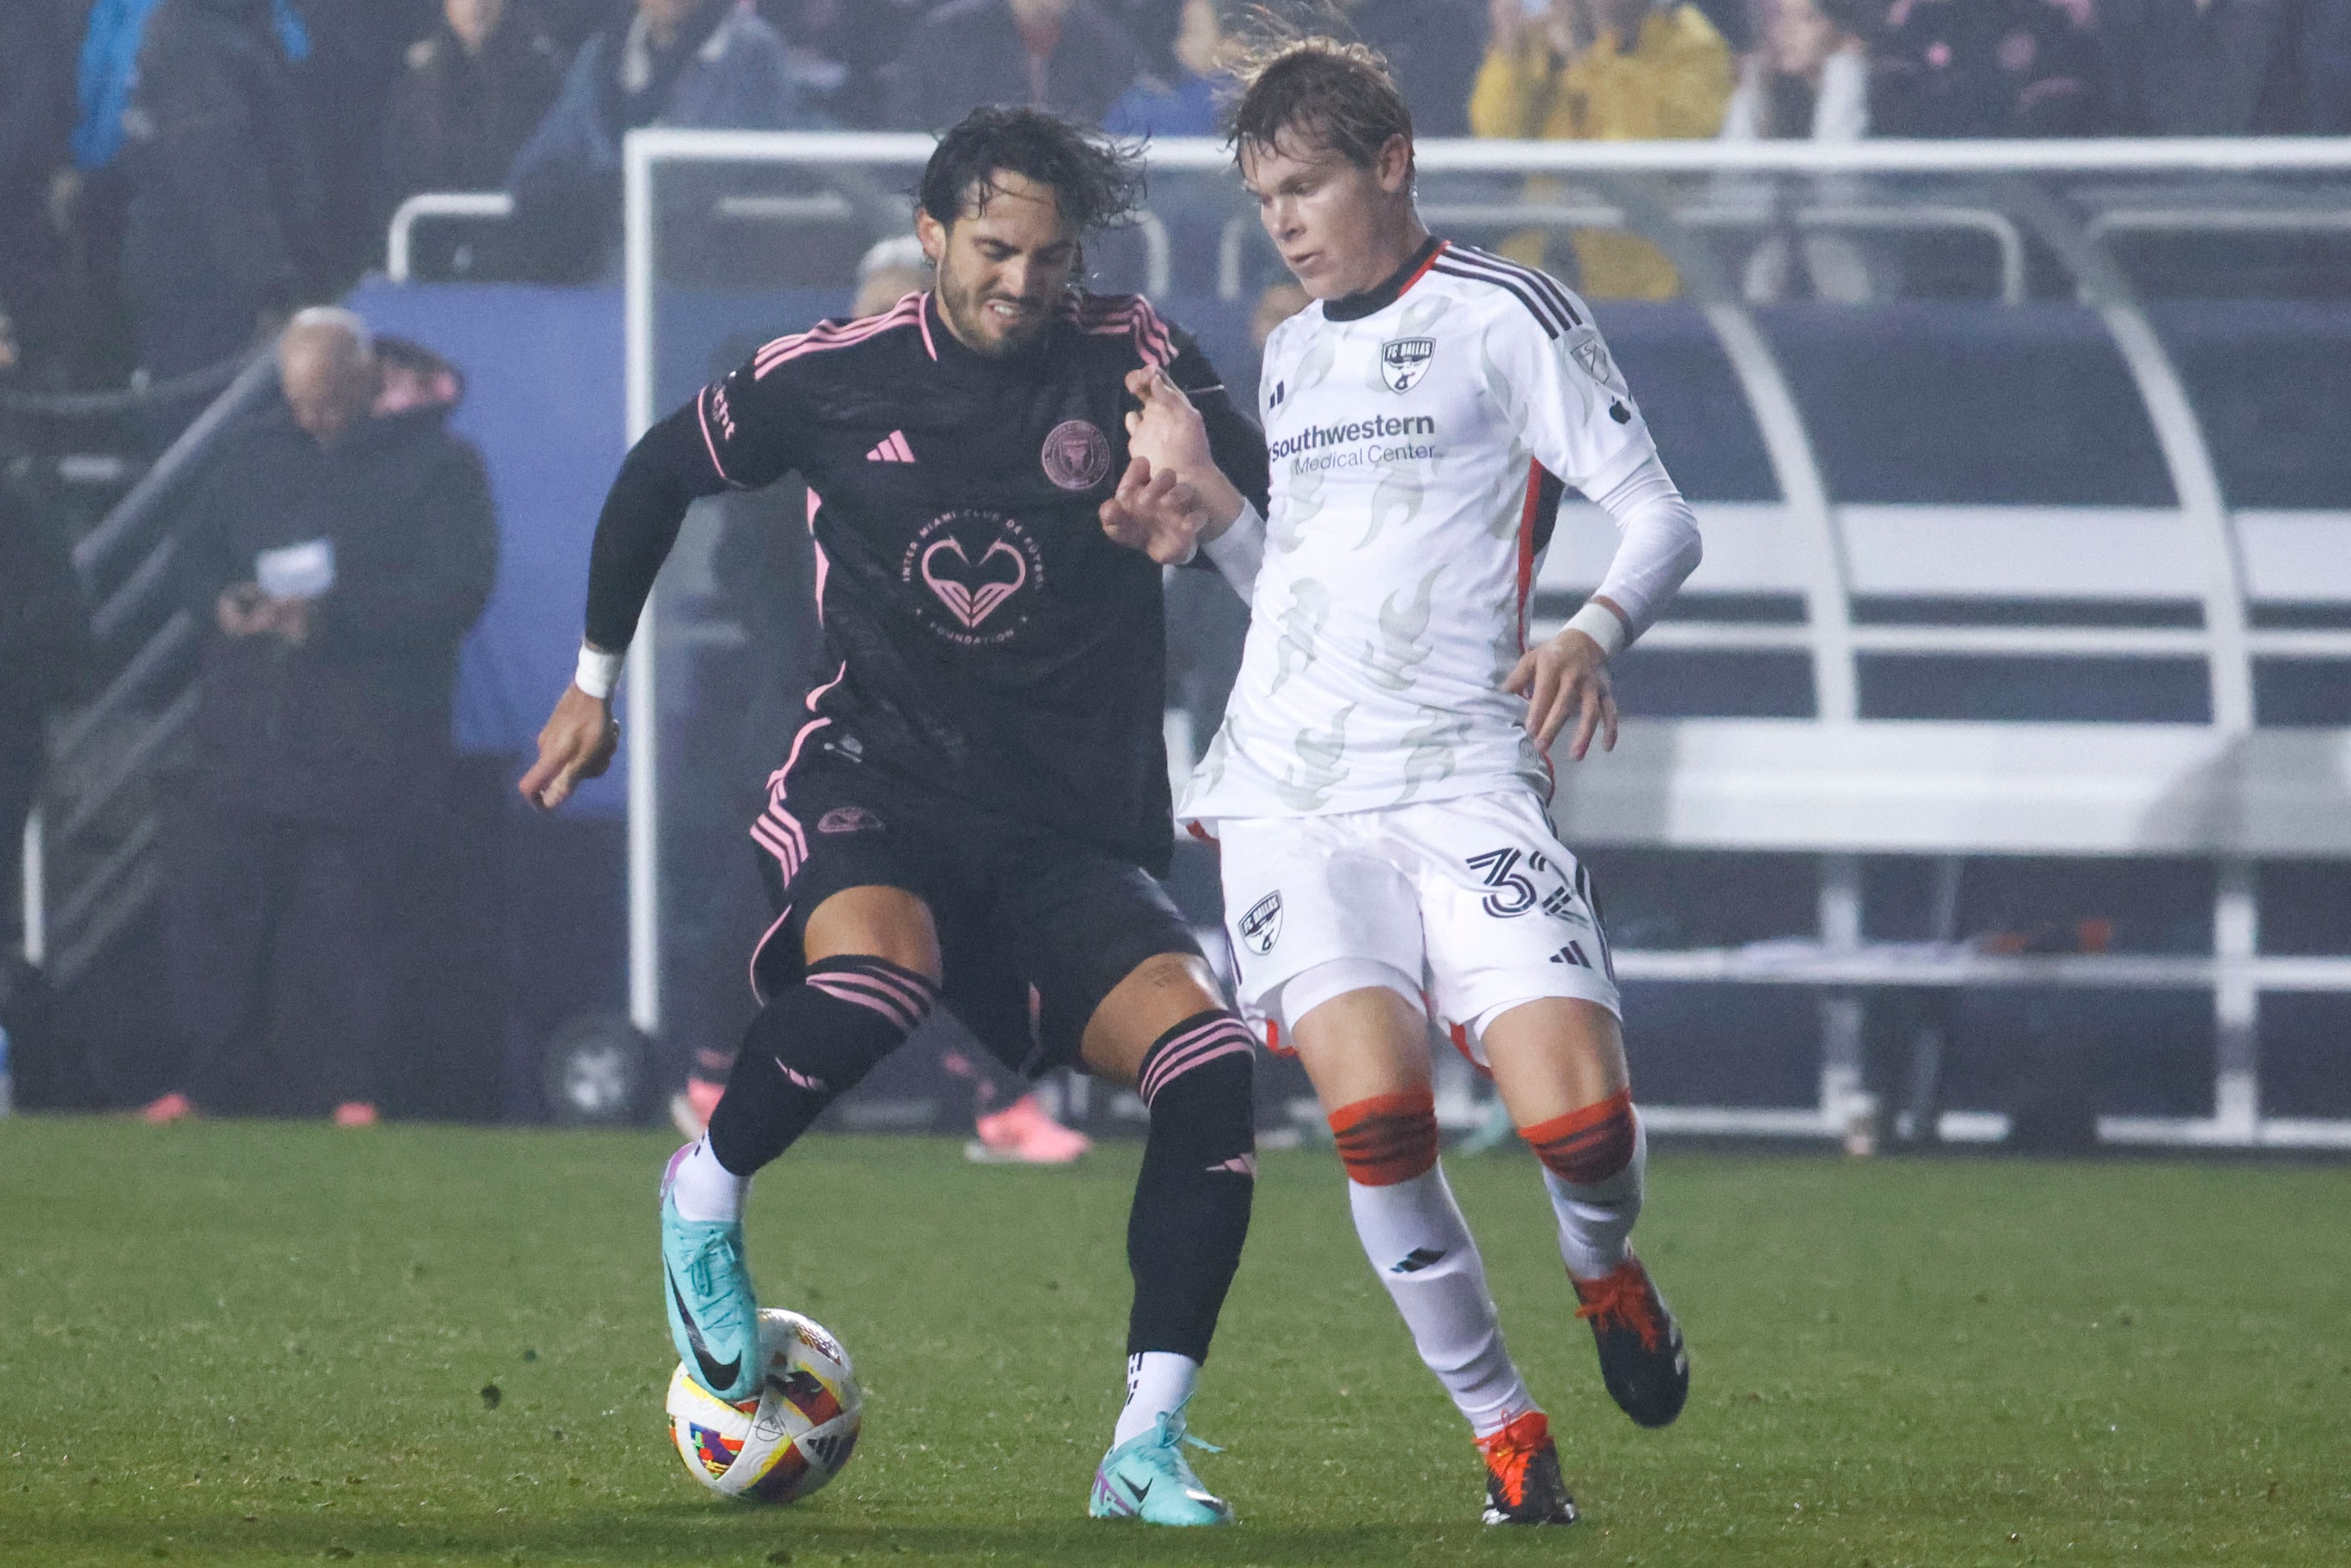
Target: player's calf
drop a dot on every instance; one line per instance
(1184, 1239)
(1596, 1162)
(1419, 1245)
(807, 1046)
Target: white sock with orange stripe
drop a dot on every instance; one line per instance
(1421, 1248)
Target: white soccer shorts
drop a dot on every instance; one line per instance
(1475, 897)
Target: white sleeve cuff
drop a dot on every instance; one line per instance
(1600, 623)
(598, 671)
(1240, 550)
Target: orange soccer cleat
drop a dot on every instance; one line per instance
(1522, 1480)
(167, 1109)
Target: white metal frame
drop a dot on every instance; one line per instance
(2225, 791)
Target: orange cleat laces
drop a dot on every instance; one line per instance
(1623, 1299)
(1509, 1451)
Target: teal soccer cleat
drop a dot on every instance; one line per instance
(1147, 1477)
(713, 1314)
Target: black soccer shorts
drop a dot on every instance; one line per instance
(1035, 928)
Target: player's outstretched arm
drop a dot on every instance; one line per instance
(667, 470)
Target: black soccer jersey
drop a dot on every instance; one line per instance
(983, 636)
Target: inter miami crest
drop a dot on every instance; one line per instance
(1404, 361)
(1261, 926)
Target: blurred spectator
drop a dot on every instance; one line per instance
(1060, 55)
(1807, 78)
(892, 269)
(1601, 70)
(36, 114)
(1985, 68)
(339, 555)
(475, 89)
(863, 37)
(1435, 48)
(1178, 97)
(706, 64)
(224, 230)
(358, 52)
(2227, 68)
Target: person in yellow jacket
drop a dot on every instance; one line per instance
(1601, 70)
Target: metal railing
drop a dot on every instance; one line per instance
(90, 875)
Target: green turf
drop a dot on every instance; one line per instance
(271, 1344)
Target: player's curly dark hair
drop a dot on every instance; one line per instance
(1332, 93)
(1098, 179)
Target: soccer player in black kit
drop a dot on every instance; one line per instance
(974, 810)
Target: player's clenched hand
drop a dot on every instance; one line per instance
(578, 743)
(1155, 513)
(1566, 678)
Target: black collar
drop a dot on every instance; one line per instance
(1355, 307)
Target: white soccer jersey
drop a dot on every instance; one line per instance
(1421, 439)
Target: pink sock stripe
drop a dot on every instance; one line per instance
(915, 998)
(1194, 1049)
(914, 991)
(856, 989)
(1161, 1052)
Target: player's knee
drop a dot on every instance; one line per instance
(1387, 1138)
(868, 1006)
(1200, 1083)
(1589, 1146)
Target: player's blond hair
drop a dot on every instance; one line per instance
(1331, 92)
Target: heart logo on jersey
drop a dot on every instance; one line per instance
(973, 592)
(1404, 361)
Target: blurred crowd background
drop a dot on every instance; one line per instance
(176, 175)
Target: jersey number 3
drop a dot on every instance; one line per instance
(1514, 893)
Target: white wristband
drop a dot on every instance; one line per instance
(1600, 623)
(598, 671)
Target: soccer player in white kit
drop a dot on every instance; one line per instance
(1379, 784)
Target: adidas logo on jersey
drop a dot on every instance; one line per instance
(892, 450)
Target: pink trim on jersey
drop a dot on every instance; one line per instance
(709, 441)
(923, 317)
(830, 335)
(760, 946)
(1126, 316)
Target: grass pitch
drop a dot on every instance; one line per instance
(242, 1343)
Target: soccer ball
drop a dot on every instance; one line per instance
(789, 1440)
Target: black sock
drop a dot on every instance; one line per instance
(809, 1046)
(1199, 1174)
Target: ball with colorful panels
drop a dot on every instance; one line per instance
(789, 1440)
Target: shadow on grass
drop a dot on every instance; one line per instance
(691, 1532)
